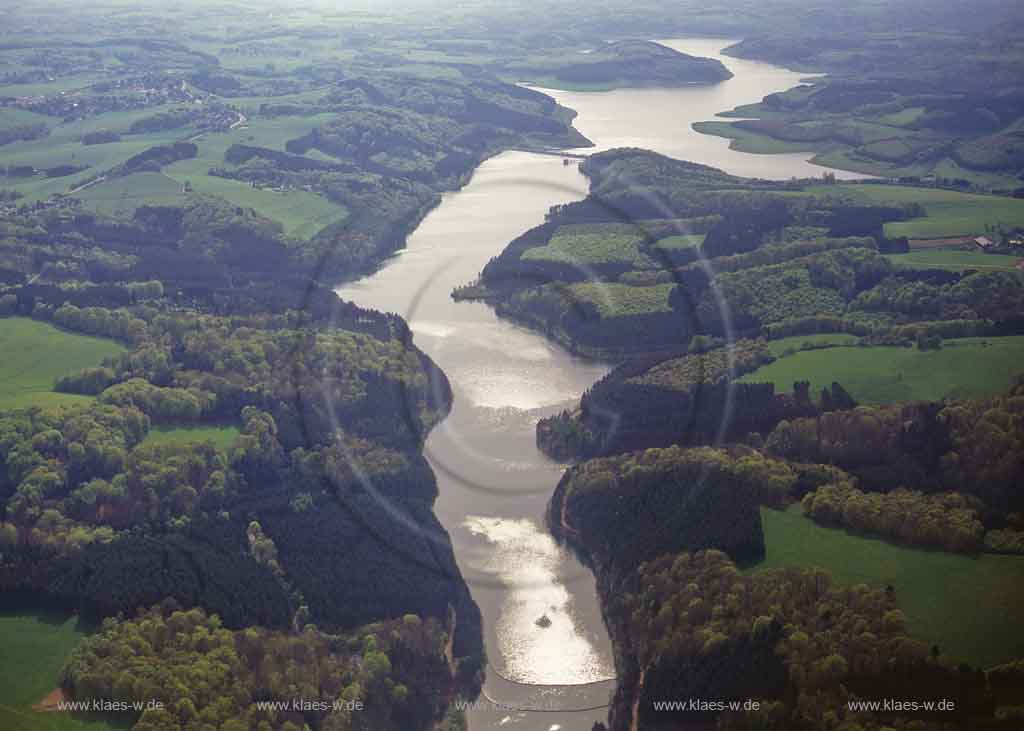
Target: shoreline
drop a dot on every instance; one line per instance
(563, 343)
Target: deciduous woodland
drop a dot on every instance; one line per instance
(274, 534)
(696, 282)
(215, 465)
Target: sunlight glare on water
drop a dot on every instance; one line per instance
(493, 483)
(528, 559)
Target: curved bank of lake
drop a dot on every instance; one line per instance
(546, 642)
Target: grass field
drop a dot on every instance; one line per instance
(962, 368)
(680, 241)
(903, 117)
(972, 607)
(124, 195)
(949, 213)
(846, 158)
(950, 168)
(620, 300)
(954, 260)
(14, 117)
(63, 83)
(36, 354)
(63, 147)
(302, 213)
(35, 647)
(221, 436)
(585, 245)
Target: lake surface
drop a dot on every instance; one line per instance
(661, 119)
(494, 484)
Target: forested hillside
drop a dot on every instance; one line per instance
(317, 516)
(686, 276)
(696, 282)
(215, 466)
(953, 114)
(689, 618)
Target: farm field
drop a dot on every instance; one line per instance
(13, 117)
(36, 645)
(844, 158)
(954, 260)
(621, 300)
(962, 368)
(680, 241)
(124, 195)
(221, 436)
(63, 147)
(36, 354)
(585, 245)
(64, 83)
(964, 243)
(302, 213)
(903, 117)
(950, 168)
(949, 213)
(970, 606)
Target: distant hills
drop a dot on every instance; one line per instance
(624, 63)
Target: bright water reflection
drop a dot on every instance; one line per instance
(494, 484)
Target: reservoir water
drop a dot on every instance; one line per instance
(549, 656)
(661, 119)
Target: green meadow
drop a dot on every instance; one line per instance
(962, 368)
(680, 241)
(14, 117)
(63, 146)
(583, 245)
(36, 354)
(35, 648)
(123, 195)
(903, 117)
(63, 83)
(949, 213)
(972, 607)
(950, 168)
(221, 436)
(620, 300)
(302, 213)
(954, 260)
